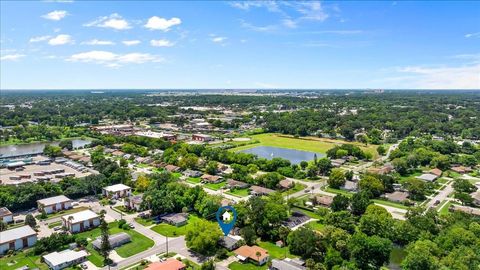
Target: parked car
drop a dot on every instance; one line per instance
(131, 226)
(57, 228)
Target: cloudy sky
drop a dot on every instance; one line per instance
(267, 44)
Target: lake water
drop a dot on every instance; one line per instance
(34, 148)
(269, 152)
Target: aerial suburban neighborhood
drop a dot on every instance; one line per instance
(239, 135)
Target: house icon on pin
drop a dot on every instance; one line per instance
(226, 216)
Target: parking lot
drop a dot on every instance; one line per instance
(15, 176)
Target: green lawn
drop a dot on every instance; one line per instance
(307, 212)
(315, 225)
(138, 244)
(392, 204)
(216, 186)
(338, 191)
(276, 252)
(144, 221)
(65, 212)
(194, 180)
(239, 192)
(173, 231)
(298, 187)
(246, 266)
(314, 144)
(444, 210)
(176, 175)
(55, 224)
(21, 259)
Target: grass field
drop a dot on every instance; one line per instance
(194, 180)
(313, 144)
(216, 186)
(298, 187)
(138, 244)
(239, 192)
(246, 266)
(173, 231)
(55, 224)
(65, 212)
(308, 213)
(315, 225)
(389, 203)
(21, 259)
(338, 191)
(144, 221)
(276, 252)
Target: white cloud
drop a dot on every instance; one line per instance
(289, 23)
(98, 42)
(131, 42)
(271, 6)
(114, 21)
(38, 39)
(12, 57)
(61, 40)
(311, 10)
(157, 23)
(266, 28)
(219, 39)
(110, 59)
(473, 35)
(55, 15)
(161, 43)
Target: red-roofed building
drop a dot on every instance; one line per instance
(170, 264)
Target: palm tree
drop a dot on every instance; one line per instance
(258, 254)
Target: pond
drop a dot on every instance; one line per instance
(34, 148)
(269, 152)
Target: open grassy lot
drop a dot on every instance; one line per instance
(338, 191)
(313, 144)
(173, 231)
(65, 212)
(239, 192)
(144, 221)
(315, 225)
(389, 203)
(246, 266)
(55, 224)
(216, 186)
(307, 212)
(298, 187)
(21, 259)
(138, 244)
(276, 252)
(194, 180)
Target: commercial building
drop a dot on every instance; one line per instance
(117, 191)
(54, 204)
(81, 221)
(18, 238)
(64, 259)
(5, 215)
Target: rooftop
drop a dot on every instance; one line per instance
(287, 264)
(117, 188)
(427, 177)
(170, 264)
(58, 258)
(251, 252)
(54, 200)
(17, 233)
(4, 212)
(81, 216)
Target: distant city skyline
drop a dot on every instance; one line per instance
(239, 45)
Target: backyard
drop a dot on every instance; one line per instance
(243, 192)
(21, 259)
(173, 231)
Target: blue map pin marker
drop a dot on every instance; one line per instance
(226, 217)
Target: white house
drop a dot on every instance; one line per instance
(64, 259)
(5, 215)
(117, 191)
(81, 221)
(18, 238)
(54, 204)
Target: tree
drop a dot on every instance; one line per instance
(52, 151)
(340, 203)
(341, 219)
(66, 144)
(105, 242)
(381, 150)
(3, 226)
(371, 184)
(303, 164)
(249, 235)
(416, 188)
(142, 183)
(305, 243)
(359, 202)
(212, 167)
(421, 255)
(203, 237)
(336, 179)
(400, 165)
(30, 221)
(363, 139)
(369, 252)
(324, 166)
(376, 221)
(208, 265)
(463, 185)
(463, 197)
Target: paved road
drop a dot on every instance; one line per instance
(442, 194)
(219, 192)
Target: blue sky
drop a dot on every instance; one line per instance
(267, 44)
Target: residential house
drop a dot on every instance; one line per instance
(385, 169)
(236, 184)
(427, 177)
(5, 215)
(461, 169)
(118, 153)
(338, 162)
(322, 200)
(350, 186)
(115, 240)
(175, 219)
(287, 264)
(436, 172)
(192, 173)
(172, 168)
(255, 254)
(476, 197)
(465, 209)
(133, 202)
(230, 242)
(54, 204)
(213, 179)
(17, 238)
(64, 259)
(81, 221)
(117, 191)
(202, 138)
(397, 196)
(170, 264)
(285, 184)
(259, 191)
